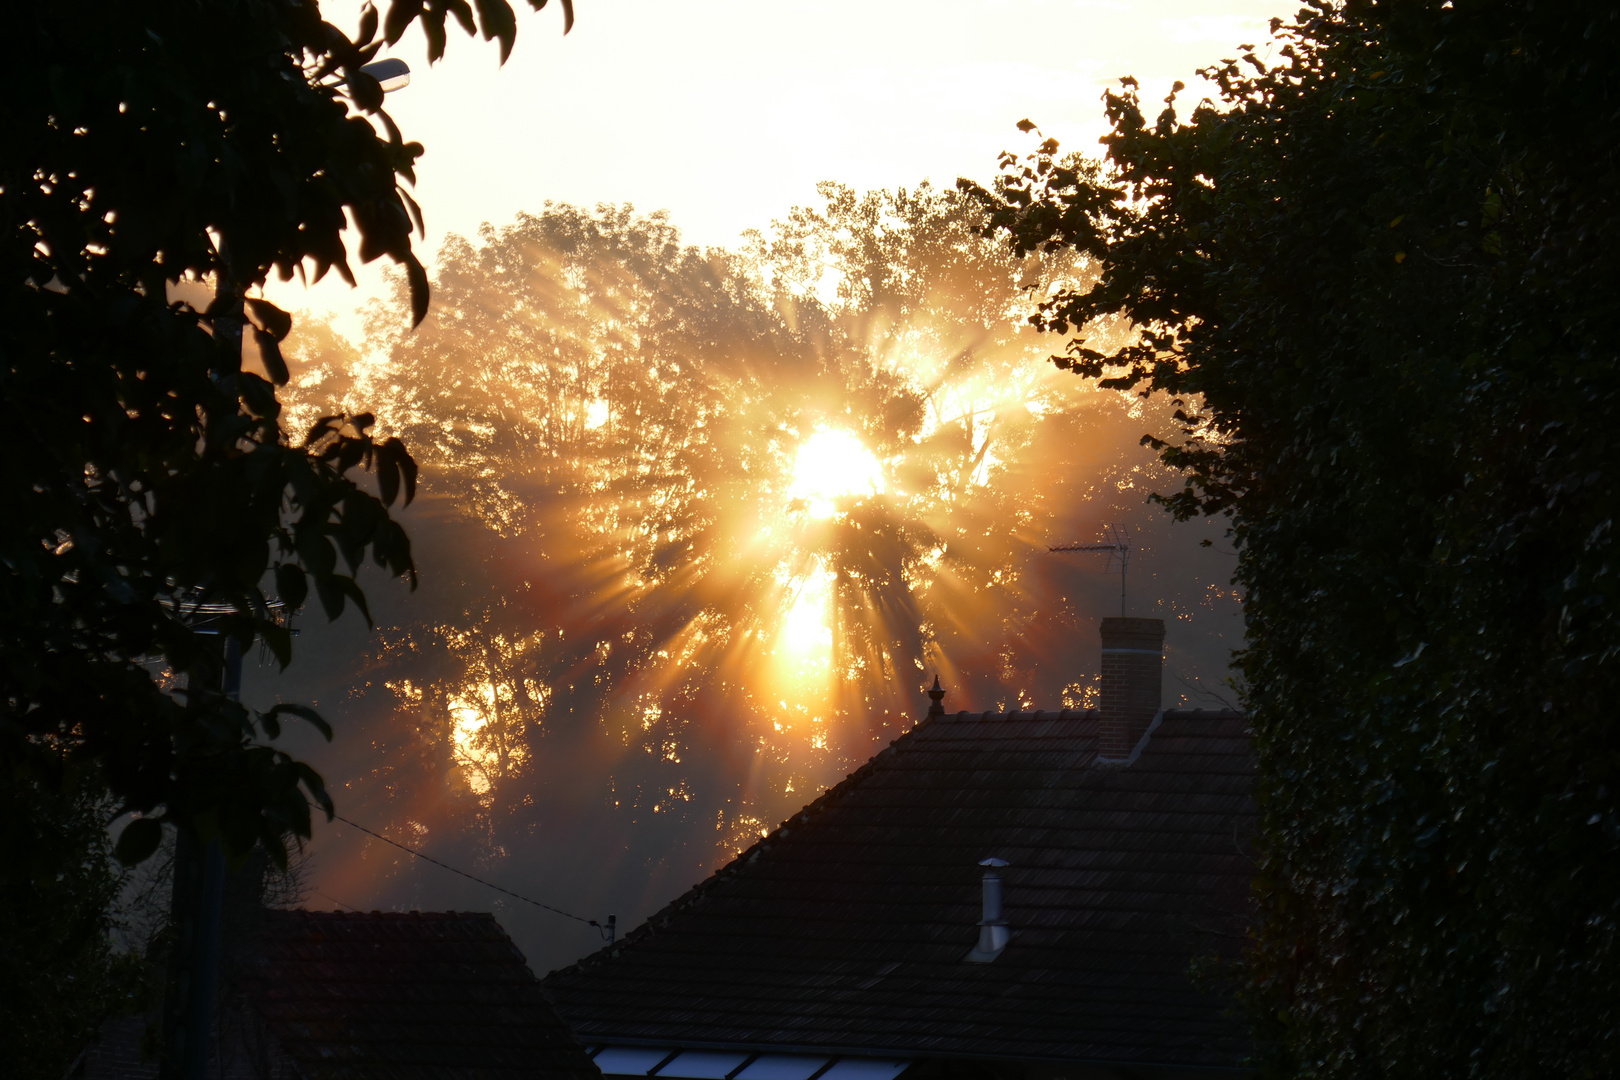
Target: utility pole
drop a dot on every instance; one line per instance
(195, 915)
(1119, 553)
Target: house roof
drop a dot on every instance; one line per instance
(845, 931)
(406, 996)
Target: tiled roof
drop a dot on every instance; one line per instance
(846, 929)
(407, 996)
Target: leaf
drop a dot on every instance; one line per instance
(418, 280)
(401, 13)
(463, 13)
(414, 211)
(138, 840)
(258, 394)
(392, 456)
(365, 91)
(1026, 125)
(316, 786)
(270, 354)
(292, 586)
(368, 24)
(358, 524)
(387, 476)
(499, 21)
(331, 597)
(433, 30)
(334, 589)
(304, 713)
(315, 550)
(269, 317)
(568, 12)
(279, 640)
(352, 590)
(323, 427)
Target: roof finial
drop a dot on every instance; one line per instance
(936, 695)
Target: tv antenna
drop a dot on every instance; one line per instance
(1119, 554)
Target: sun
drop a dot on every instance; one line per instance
(833, 463)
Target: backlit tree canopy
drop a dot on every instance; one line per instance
(1376, 275)
(725, 511)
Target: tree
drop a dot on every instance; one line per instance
(644, 622)
(1376, 277)
(615, 403)
(57, 894)
(146, 475)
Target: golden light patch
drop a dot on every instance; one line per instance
(831, 465)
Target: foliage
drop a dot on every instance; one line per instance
(154, 503)
(57, 888)
(146, 471)
(1378, 276)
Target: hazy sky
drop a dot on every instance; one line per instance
(727, 113)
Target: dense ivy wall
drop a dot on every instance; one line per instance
(1380, 276)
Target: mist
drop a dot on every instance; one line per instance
(695, 527)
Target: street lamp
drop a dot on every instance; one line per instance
(392, 74)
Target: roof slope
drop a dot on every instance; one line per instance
(847, 928)
(407, 996)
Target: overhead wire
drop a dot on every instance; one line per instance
(604, 931)
(335, 900)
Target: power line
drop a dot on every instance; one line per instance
(603, 930)
(335, 900)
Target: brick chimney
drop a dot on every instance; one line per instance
(1132, 677)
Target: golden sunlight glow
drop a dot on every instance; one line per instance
(806, 631)
(760, 556)
(831, 464)
(468, 719)
(596, 414)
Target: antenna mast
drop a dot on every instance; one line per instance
(1119, 553)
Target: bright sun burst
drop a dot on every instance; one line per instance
(832, 463)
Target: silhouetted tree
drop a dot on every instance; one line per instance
(145, 468)
(1378, 277)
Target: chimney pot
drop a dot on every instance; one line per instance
(1132, 682)
(993, 932)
